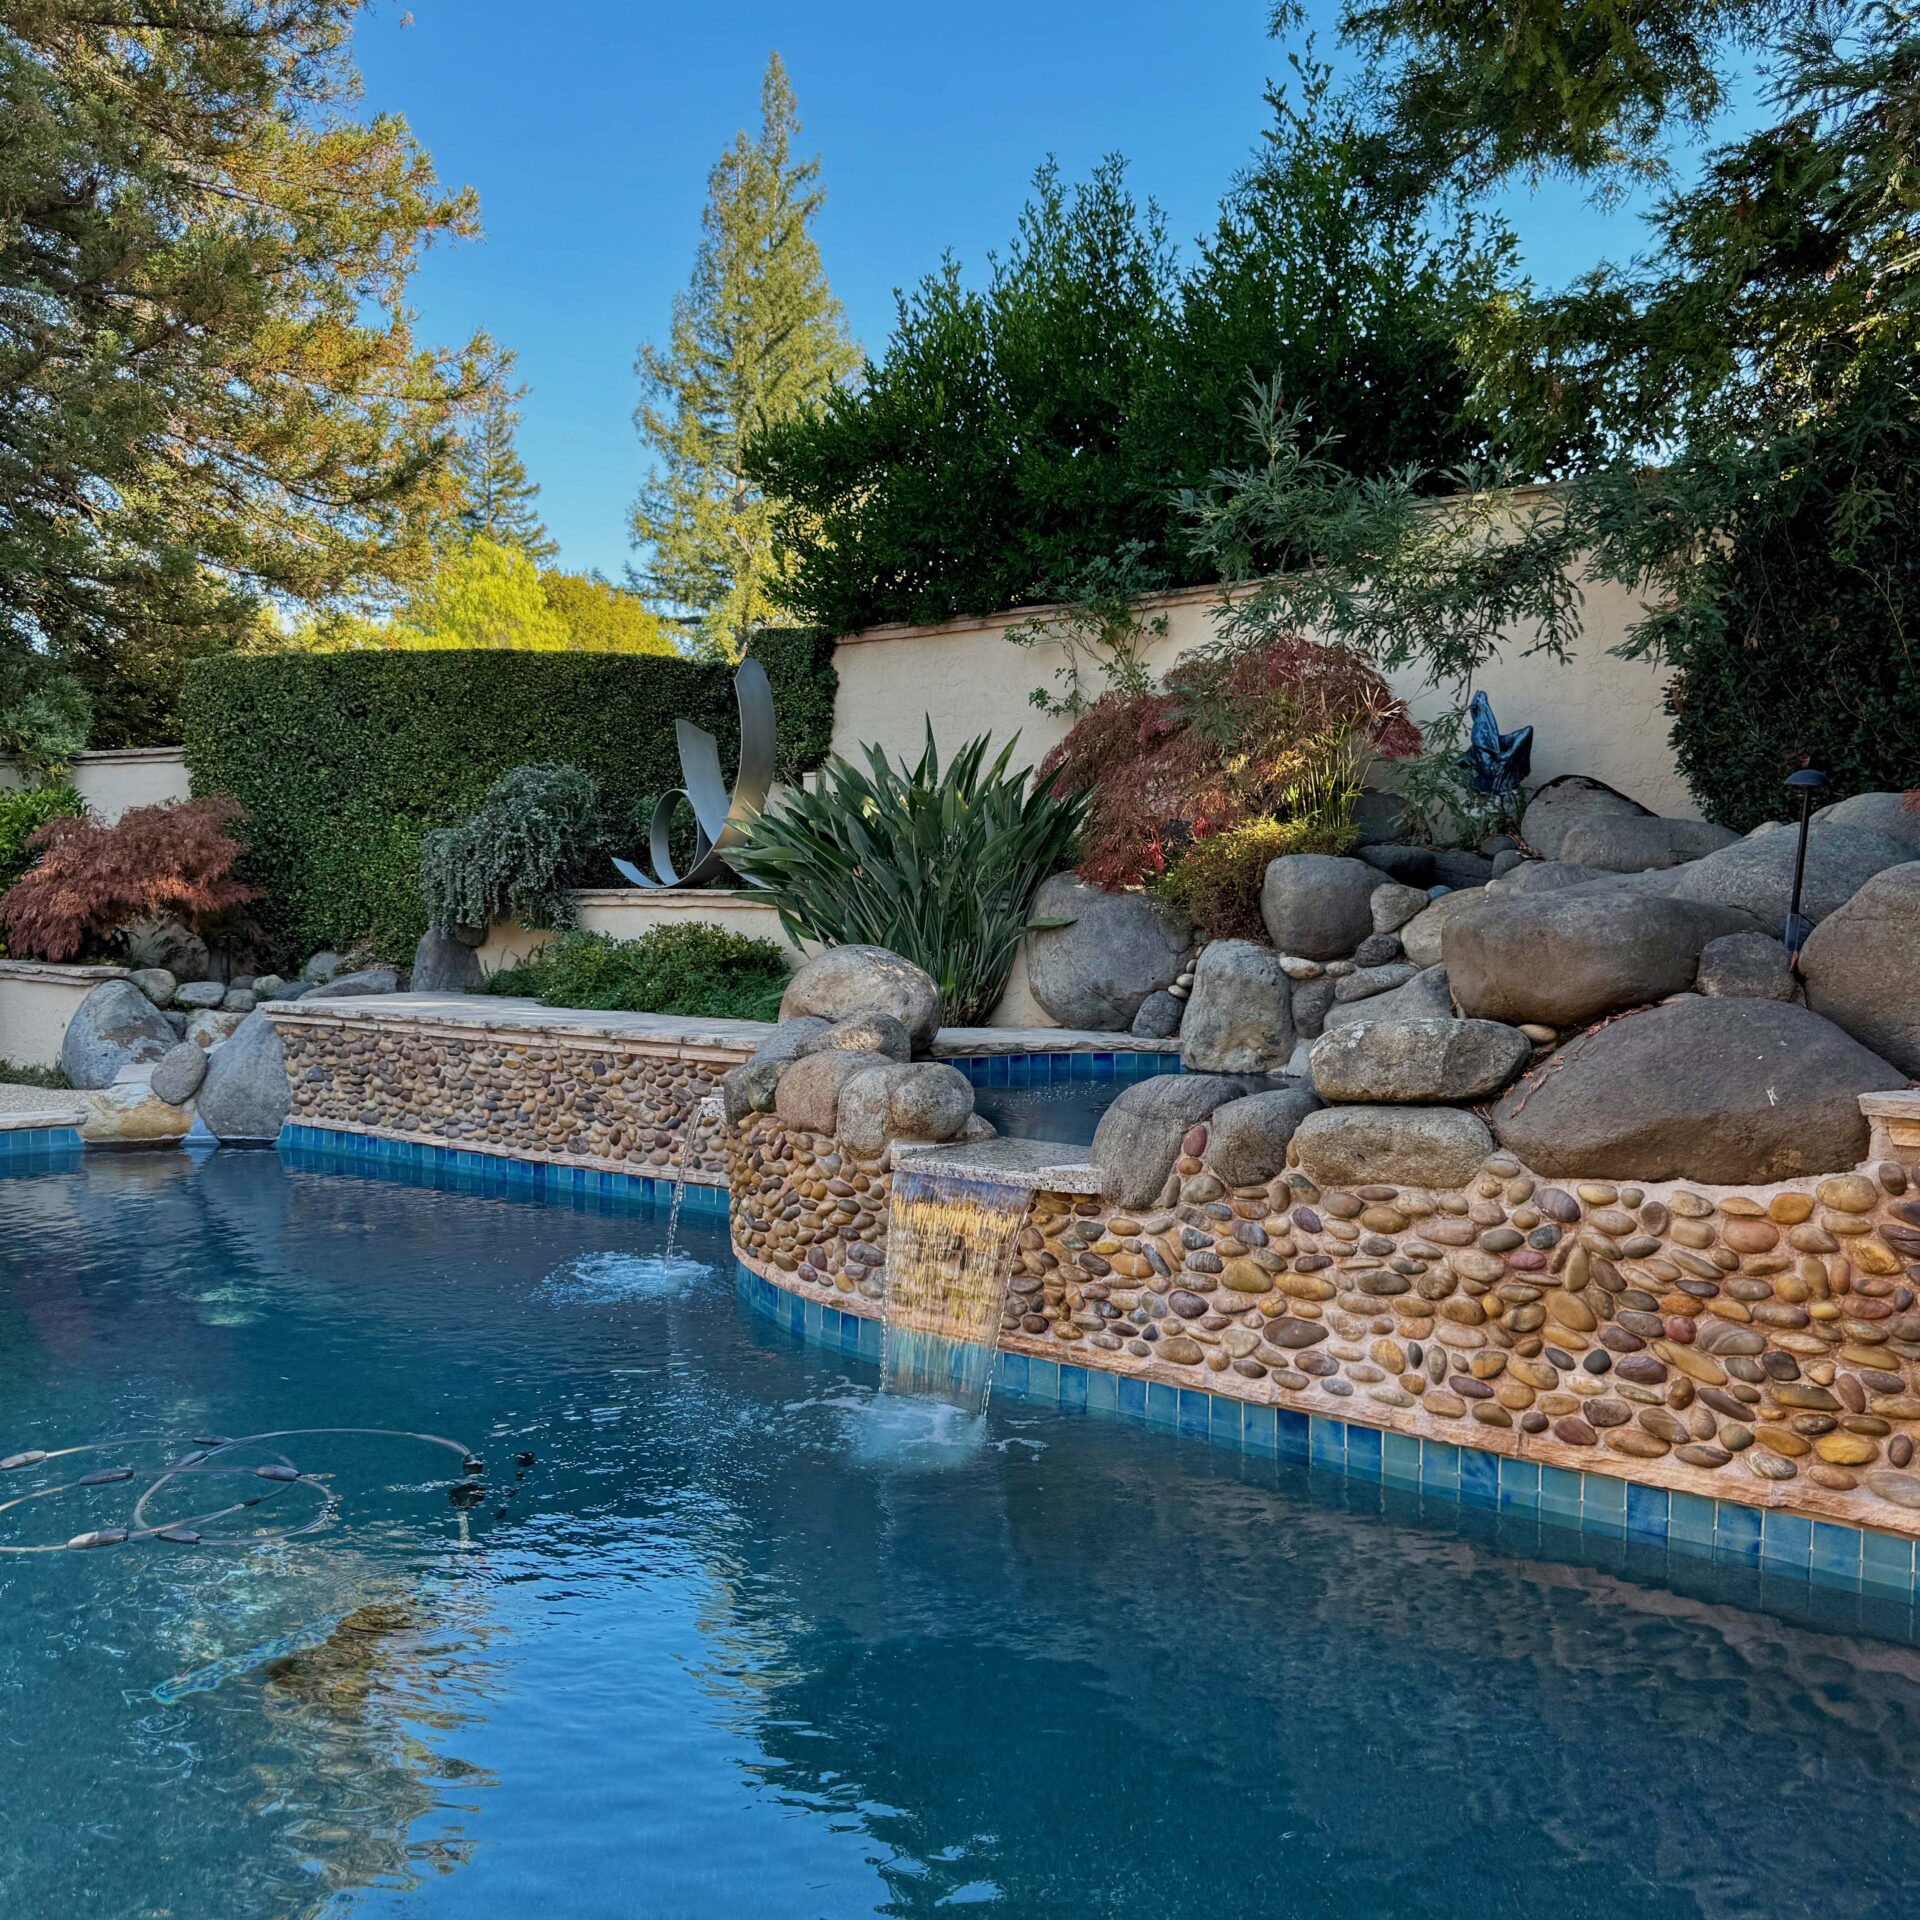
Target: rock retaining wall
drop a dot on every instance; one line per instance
(615, 1104)
(1759, 1345)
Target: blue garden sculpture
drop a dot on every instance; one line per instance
(1498, 761)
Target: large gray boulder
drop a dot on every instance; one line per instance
(750, 1089)
(1422, 938)
(1417, 1062)
(1238, 1017)
(197, 994)
(1891, 814)
(1318, 905)
(1862, 966)
(162, 941)
(1757, 873)
(1563, 959)
(1247, 1139)
(1543, 876)
(366, 982)
(1138, 1138)
(178, 1072)
(784, 1041)
(156, 983)
(847, 980)
(1731, 1091)
(245, 1094)
(809, 1092)
(859, 1033)
(1159, 1017)
(1379, 818)
(921, 1100)
(1747, 966)
(1399, 1146)
(442, 964)
(1394, 904)
(1112, 950)
(1632, 843)
(1312, 1006)
(1425, 997)
(1569, 802)
(115, 1026)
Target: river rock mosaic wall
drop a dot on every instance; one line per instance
(1761, 1345)
(806, 1206)
(579, 1100)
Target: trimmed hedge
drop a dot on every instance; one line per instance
(344, 761)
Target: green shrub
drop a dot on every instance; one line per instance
(25, 812)
(697, 971)
(346, 761)
(1217, 880)
(1804, 655)
(535, 831)
(939, 867)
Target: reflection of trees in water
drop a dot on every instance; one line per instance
(348, 1770)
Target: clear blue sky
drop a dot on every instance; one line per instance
(588, 126)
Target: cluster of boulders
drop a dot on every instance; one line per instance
(1610, 996)
(149, 1052)
(847, 1057)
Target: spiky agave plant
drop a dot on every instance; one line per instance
(939, 865)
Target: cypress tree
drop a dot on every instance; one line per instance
(496, 497)
(756, 336)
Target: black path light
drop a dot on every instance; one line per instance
(1806, 783)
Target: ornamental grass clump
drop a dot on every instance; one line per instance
(937, 864)
(516, 859)
(91, 880)
(700, 972)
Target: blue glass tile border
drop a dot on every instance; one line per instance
(36, 1146)
(1050, 1069)
(370, 1153)
(1595, 1505)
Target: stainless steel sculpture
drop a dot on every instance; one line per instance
(721, 818)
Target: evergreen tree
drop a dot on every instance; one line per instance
(210, 392)
(496, 497)
(756, 336)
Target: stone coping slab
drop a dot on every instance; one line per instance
(1033, 1165)
(24, 1109)
(504, 1013)
(62, 971)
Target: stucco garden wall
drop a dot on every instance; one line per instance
(1596, 714)
(110, 783)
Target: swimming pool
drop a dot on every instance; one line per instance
(745, 1641)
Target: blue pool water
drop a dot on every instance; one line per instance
(745, 1642)
(1067, 1111)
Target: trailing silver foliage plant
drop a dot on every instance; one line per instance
(937, 865)
(516, 857)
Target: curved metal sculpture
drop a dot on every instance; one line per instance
(722, 818)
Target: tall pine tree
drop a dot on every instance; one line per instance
(496, 497)
(756, 336)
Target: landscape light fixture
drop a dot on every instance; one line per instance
(1807, 782)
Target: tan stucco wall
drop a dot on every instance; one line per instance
(36, 1002)
(1596, 714)
(110, 783)
(627, 912)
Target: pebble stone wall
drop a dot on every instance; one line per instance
(1758, 1345)
(578, 1100)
